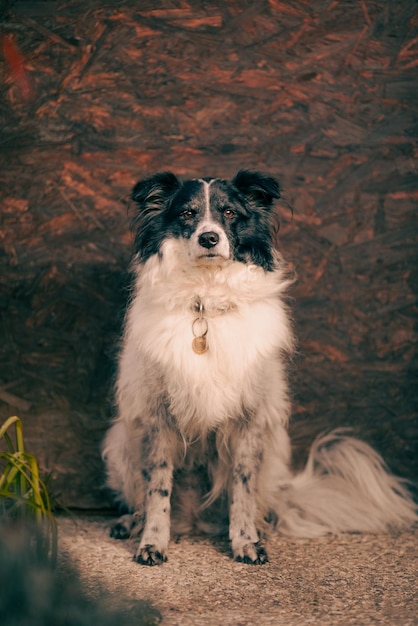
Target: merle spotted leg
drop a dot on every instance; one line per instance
(157, 472)
(247, 452)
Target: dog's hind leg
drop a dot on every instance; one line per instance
(247, 453)
(128, 525)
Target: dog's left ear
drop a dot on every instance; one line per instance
(152, 193)
(257, 188)
(151, 196)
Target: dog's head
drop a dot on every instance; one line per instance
(216, 220)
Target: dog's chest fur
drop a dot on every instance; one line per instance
(247, 327)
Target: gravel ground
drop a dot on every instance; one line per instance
(350, 579)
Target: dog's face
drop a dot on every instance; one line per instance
(216, 220)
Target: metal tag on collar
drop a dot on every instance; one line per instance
(199, 330)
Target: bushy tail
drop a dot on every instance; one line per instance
(345, 487)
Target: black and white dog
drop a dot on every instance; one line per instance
(202, 398)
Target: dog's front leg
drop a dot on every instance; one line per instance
(247, 454)
(157, 472)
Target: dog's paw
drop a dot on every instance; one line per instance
(129, 525)
(119, 531)
(252, 553)
(149, 555)
(122, 529)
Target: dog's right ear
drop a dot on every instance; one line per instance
(153, 193)
(151, 196)
(257, 188)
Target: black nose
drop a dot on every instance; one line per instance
(208, 240)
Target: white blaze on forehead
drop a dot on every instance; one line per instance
(207, 223)
(206, 191)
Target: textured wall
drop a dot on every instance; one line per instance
(321, 95)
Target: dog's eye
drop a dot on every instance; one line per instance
(188, 214)
(229, 213)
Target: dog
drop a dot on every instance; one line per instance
(200, 439)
